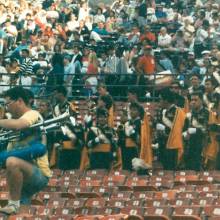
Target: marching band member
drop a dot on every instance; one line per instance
(101, 142)
(129, 136)
(169, 128)
(197, 132)
(211, 152)
(72, 136)
(106, 99)
(27, 167)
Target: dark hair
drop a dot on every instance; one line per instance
(107, 100)
(25, 50)
(61, 89)
(210, 80)
(198, 93)
(139, 108)
(16, 93)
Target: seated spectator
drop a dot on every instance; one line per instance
(164, 39)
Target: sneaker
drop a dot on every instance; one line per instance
(9, 209)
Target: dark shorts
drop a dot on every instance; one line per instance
(36, 183)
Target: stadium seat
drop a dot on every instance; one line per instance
(114, 217)
(107, 210)
(184, 217)
(211, 211)
(95, 202)
(37, 217)
(143, 195)
(189, 195)
(132, 210)
(155, 202)
(179, 202)
(167, 194)
(202, 201)
(158, 211)
(125, 195)
(116, 203)
(75, 203)
(135, 202)
(85, 211)
(61, 217)
(94, 217)
(42, 210)
(90, 183)
(187, 210)
(155, 217)
(63, 211)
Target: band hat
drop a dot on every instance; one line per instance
(205, 52)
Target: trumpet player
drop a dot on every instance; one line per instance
(26, 161)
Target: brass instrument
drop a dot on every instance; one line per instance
(44, 126)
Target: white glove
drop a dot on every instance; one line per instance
(191, 130)
(155, 146)
(185, 133)
(129, 130)
(101, 137)
(97, 140)
(73, 121)
(160, 127)
(87, 118)
(138, 163)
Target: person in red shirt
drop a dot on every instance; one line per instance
(148, 36)
(146, 63)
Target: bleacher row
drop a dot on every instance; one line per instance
(114, 195)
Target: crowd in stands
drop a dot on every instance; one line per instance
(78, 44)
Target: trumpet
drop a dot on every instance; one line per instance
(44, 126)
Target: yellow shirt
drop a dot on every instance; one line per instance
(33, 117)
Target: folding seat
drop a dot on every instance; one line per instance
(95, 202)
(187, 210)
(85, 211)
(120, 179)
(61, 217)
(135, 202)
(185, 217)
(78, 189)
(75, 173)
(189, 195)
(206, 188)
(94, 217)
(187, 179)
(155, 217)
(157, 211)
(132, 183)
(68, 182)
(56, 202)
(214, 194)
(45, 196)
(114, 217)
(179, 202)
(104, 191)
(75, 203)
(211, 211)
(37, 217)
(155, 202)
(125, 195)
(184, 188)
(87, 195)
(120, 172)
(108, 210)
(143, 195)
(168, 194)
(92, 177)
(116, 203)
(90, 183)
(167, 173)
(202, 201)
(185, 173)
(63, 211)
(43, 210)
(132, 210)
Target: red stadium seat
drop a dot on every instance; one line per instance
(202, 201)
(179, 202)
(95, 202)
(184, 217)
(61, 217)
(158, 211)
(114, 217)
(168, 194)
(63, 211)
(187, 210)
(155, 203)
(135, 202)
(37, 217)
(116, 203)
(95, 217)
(75, 203)
(211, 211)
